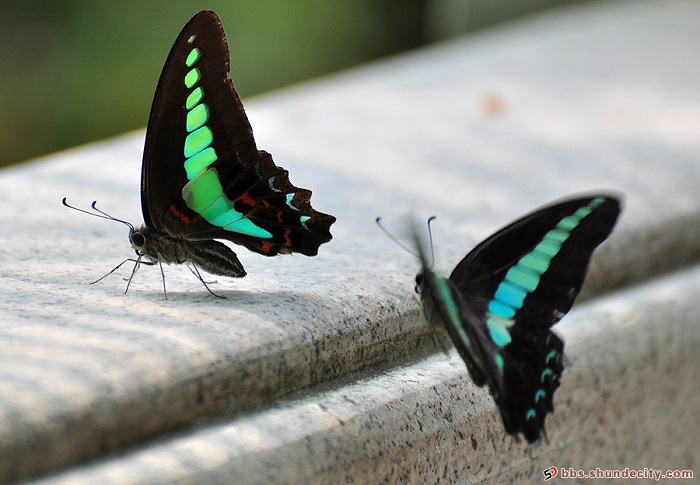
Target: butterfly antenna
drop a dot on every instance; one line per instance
(391, 236)
(432, 247)
(100, 213)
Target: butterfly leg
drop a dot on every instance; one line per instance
(199, 277)
(162, 275)
(113, 270)
(133, 271)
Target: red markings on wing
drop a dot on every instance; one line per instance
(184, 218)
(247, 199)
(266, 247)
(287, 240)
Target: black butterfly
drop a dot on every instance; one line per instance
(500, 301)
(203, 177)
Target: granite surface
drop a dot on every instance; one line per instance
(322, 368)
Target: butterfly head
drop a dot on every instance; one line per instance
(420, 277)
(137, 238)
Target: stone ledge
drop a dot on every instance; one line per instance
(85, 370)
(632, 376)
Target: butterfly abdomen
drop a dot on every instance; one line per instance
(215, 258)
(211, 256)
(441, 308)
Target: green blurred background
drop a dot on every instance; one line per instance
(74, 71)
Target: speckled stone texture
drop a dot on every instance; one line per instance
(322, 369)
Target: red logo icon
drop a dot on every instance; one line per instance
(550, 473)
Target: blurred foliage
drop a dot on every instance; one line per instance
(78, 70)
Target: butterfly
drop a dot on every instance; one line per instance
(203, 177)
(501, 300)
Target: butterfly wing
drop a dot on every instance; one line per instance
(518, 283)
(203, 176)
